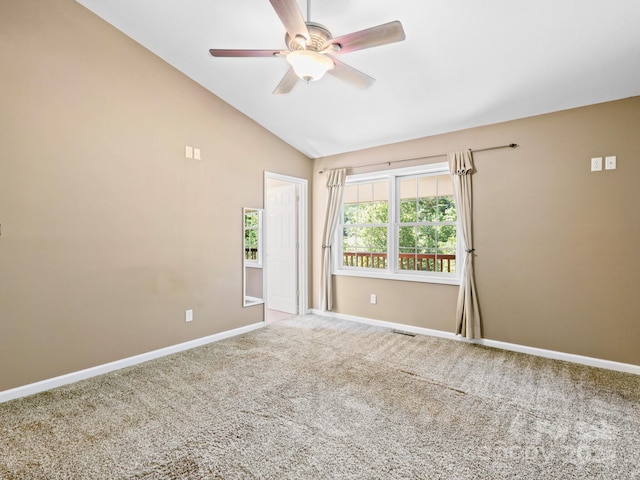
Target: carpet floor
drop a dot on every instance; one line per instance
(318, 398)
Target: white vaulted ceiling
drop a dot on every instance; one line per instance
(463, 64)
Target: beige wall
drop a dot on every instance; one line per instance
(558, 263)
(108, 232)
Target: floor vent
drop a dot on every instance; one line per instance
(400, 332)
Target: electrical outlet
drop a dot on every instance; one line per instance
(610, 163)
(596, 164)
(188, 151)
(196, 154)
(188, 315)
(374, 299)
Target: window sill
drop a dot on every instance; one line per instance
(405, 277)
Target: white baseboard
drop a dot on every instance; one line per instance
(50, 383)
(61, 380)
(539, 352)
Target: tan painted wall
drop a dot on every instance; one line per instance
(558, 263)
(108, 232)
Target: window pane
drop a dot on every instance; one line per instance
(349, 249)
(374, 238)
(380, 212)
(406, 260)
(447, 249)
(406, 238)
(381, 191)
(426, 259)
(425, 248)
(348, 258)
(446, 263)
(366, 203)
(365, 192)
(447, 209)
(408, 211)
(365, 247)
(427, 211)
(378, 239)
(408, 188)
(350, 211)
(362, 239)
(349, 239)
(427, 241)
(446, 203)
(427, 186)
(379, 260)
(362, 257)
(350, 194)
(426, 237)
(445, 185)
(365, 212)
(366, 259)
(447, 239)
(427, 195)
(407, 192)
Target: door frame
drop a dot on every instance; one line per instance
(303, 240)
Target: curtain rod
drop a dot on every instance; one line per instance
(511, 145)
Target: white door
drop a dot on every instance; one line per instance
(282, 251)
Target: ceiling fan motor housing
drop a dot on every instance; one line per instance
(319, 36)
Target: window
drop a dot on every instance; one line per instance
(365, 224)
(426, 227)
(399, 224)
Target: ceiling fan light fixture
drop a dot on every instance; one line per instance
(309, 65)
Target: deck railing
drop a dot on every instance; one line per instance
(427, 262)
(406, 261)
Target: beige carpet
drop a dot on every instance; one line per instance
(317, 398)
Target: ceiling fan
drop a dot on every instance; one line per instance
(311, 48)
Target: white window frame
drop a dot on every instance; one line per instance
(391, 272)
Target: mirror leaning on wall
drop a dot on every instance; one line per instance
(252, 271)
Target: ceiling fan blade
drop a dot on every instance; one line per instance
(287, 83)
(371, 37)
(244, 53)
(291, 18)
(350, 75)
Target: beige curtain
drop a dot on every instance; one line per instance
(467, 311)
(335, 187)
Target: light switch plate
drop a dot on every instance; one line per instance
(188, 151)
(596, 164)
(196, 153)
(610, 163)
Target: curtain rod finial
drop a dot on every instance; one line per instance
(513, 145)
